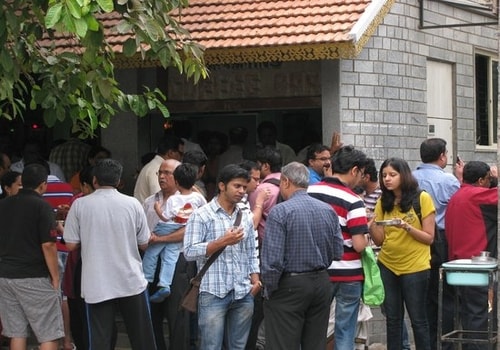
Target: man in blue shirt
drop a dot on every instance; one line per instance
(302, 238)
(227, 291)
(441, 186)
(319, 162)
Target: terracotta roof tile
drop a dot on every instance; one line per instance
(232, 27)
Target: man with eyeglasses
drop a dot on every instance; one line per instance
(177, 320)
(169, 147)
(318, 162)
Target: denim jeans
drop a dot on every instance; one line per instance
(169, 253)
(347, 297)
(224, 317)
(408, 290)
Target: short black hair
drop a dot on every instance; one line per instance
(194, 157)
(33, 175)
(346, 158)
(168, 143)
(95, 150)
(431, 149)
(38, 160)
(249, 165)
(474, 170)
(313, 149)
(270, 156)
(185, 175)
(231, 172)
(371, 170)
(86, 175)
(108, 172)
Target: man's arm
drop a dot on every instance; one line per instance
(231, 237)
(50, 254)
(174, 237)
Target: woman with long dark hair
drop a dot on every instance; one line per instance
(404, 258)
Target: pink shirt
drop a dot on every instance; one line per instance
(268, 203)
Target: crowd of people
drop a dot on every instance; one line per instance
(290, 233)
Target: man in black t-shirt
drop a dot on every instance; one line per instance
(29, 275)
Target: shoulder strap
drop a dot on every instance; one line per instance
(416, 205)
(275, 182)
(197, 279)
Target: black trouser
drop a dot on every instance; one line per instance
(296, 316)
(135, 314)
(257, 318)
(439, 250)
(178, 319)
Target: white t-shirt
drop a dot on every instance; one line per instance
(176, 203)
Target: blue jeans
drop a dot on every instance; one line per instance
(168, 252)
(408, 290)
(347, 297)
(224, 317)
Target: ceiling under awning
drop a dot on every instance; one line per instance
(245, 31)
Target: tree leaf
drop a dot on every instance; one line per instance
(129, 47)
(106, 5)
(53, 15)
(74, 8)
(81, 27)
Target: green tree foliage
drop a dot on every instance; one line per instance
(76, 80)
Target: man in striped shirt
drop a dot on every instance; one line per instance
(346, 275)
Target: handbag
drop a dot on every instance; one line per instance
(190, 299)
(373, 287)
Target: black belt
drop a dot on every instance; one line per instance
(306, 273)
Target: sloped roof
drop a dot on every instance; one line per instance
(241, 31)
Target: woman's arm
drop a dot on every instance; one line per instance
(426, 234)
(376, 232)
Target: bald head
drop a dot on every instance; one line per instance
(166, 176)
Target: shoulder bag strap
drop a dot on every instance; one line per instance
(215, 255)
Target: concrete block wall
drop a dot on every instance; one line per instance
(383, 91)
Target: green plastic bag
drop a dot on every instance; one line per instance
(373, 288)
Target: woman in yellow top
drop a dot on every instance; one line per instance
(404, 258)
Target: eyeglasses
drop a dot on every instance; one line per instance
(164, 172)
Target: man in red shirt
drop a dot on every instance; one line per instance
(471, 227)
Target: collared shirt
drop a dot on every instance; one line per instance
(302, 234)
(232, 269)
(440, 185)
(314, 177)
(147, 180)
(352, 217)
